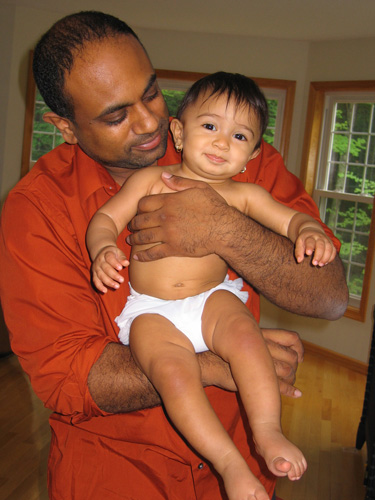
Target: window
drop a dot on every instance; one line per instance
(40, 137)
(339, 160)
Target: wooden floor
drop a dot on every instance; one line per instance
(322, 423)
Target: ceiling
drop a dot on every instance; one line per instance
(305, 20)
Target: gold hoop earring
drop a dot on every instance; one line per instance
(178, 149)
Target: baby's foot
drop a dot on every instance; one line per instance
(281, 456)
(239, 482)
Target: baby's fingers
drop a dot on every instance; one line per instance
(299, 250)
(98, 283)
(329, 254)
(316, 247)
(116, 260)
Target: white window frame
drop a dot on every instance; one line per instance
(322, 99)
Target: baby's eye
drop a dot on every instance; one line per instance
(209, 126)
(240, 137)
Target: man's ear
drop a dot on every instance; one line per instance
(63, 124)
(177, 132)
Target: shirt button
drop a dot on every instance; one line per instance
(200, 466)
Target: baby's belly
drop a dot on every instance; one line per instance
(176, 278)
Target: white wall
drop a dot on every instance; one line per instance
(258, 57)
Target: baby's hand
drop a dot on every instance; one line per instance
(312, 241)
(105, 268)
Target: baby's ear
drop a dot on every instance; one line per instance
(177, 130)
(254, 154)
(64, 125)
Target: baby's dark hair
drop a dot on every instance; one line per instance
(55, 52)
(242, 89)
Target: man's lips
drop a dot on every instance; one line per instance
(151, 144)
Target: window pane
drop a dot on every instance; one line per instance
(358, 147)
(362, 116)
(343, 116)
(370, 181)
(336, 177)
(39, 124)
(350, 221)
(355, 278)
(354, 179)
(371, 151)
(269, 135)
(340, 147)
(42, 144)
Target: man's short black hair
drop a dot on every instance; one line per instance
(242, 89)
(55, 52)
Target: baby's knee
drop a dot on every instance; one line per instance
(171, 374)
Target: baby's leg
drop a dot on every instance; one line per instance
(168, 359)
(230, 330)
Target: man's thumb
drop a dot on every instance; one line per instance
(179, 183)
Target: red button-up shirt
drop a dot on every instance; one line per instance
(59, 326)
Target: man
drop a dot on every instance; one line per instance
(96, 77)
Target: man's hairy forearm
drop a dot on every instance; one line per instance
(117, 385)
(266, 260)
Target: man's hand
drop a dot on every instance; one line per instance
(179, 224)
(286, 350)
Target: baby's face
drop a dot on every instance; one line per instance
(218, 137)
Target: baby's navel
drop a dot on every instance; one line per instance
(178, 285)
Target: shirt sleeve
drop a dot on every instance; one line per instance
(54, 318)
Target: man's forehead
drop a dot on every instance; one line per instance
(94, 50)
(109, 72)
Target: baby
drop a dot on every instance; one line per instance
(180, 306)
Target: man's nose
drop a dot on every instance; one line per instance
(144, 120)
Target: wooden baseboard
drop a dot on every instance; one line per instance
(352, 364)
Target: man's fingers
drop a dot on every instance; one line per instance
(289, 390)
(180, 183)
(153, 253)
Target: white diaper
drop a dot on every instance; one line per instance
(185, 314)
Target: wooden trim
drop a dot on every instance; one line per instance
(340, 359)
(310, 159)
(311, 142)
(288, 85)
(29, 118)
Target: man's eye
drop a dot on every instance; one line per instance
(116, 121)
(153, 94)
(209, 126)
(240, 137)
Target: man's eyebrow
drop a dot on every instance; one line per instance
(117, 107)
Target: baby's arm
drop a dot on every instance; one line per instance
(105, 227)
(107, 258)
(304, 231)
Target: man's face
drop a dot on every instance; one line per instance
(121, 119)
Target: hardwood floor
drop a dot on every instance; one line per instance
(24, 437)
(323, 423)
